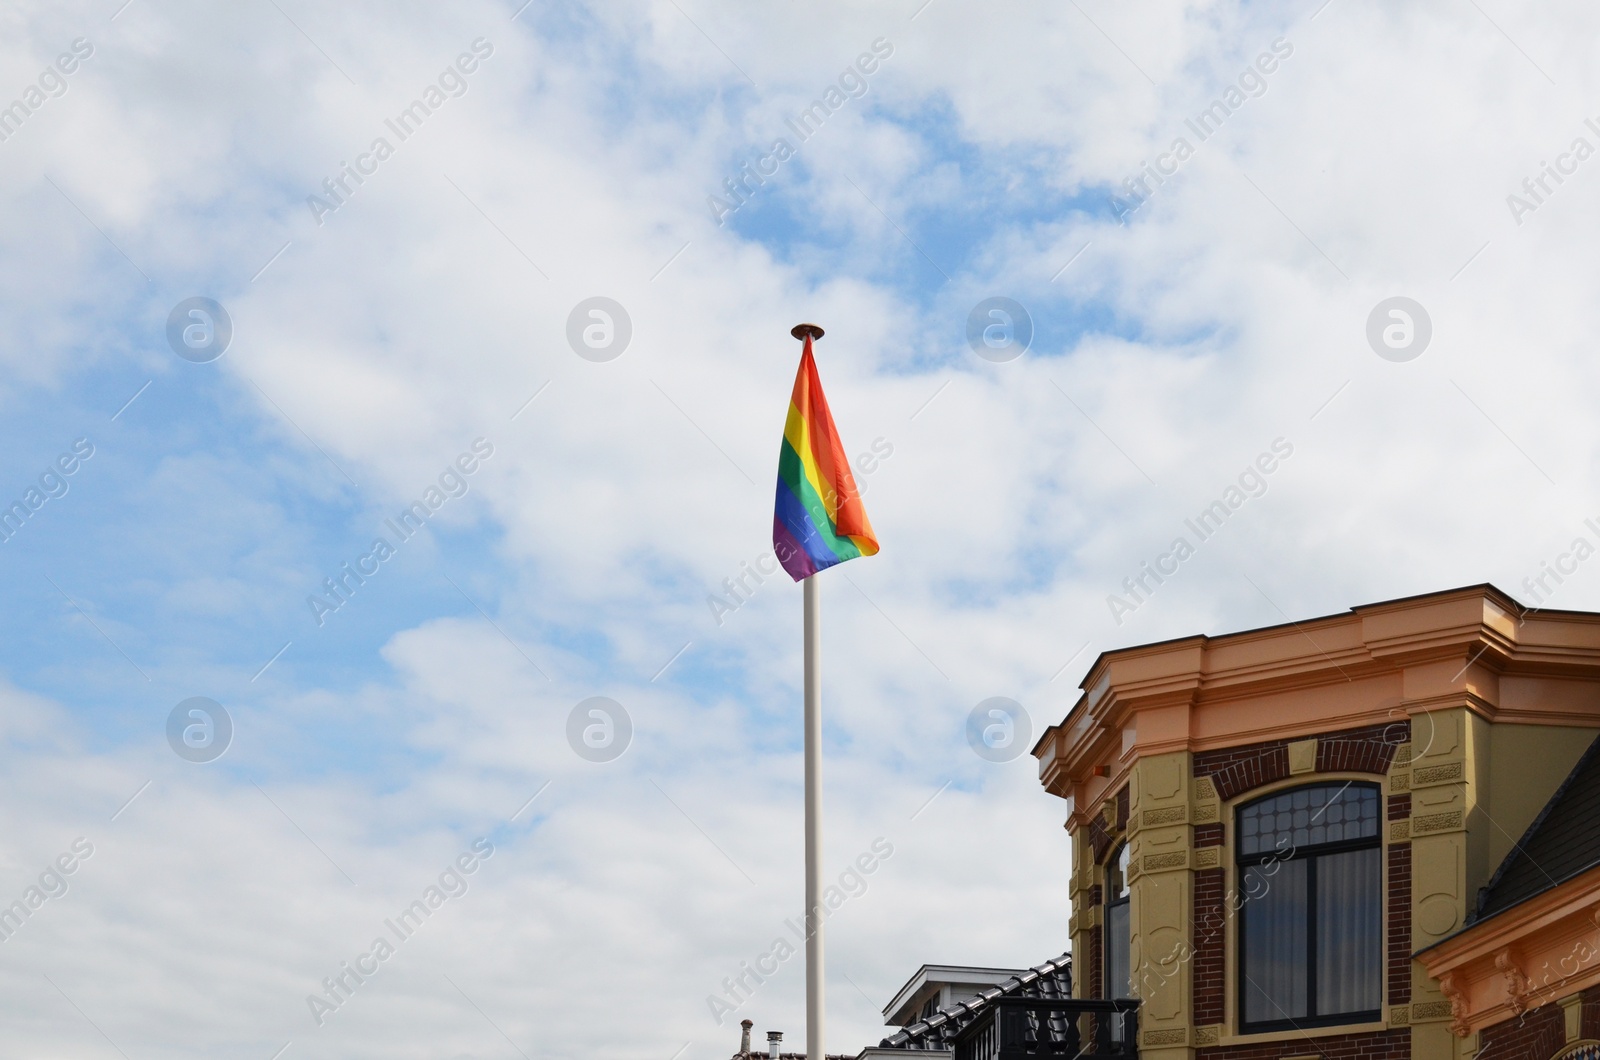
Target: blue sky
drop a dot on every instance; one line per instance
(371, 350)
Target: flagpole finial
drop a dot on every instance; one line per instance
(805, 331)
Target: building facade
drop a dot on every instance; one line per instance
(1280, 836)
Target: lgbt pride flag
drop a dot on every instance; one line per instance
(819, 520)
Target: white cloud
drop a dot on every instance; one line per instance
(1170, 353)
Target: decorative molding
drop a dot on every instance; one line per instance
(1166, 815)
(1400, 1016)
(1175, 860)
(1399, 831)
(1207, 813)
(1176, 1036)
(1108, 814)
(1457, 1005)
(1208, 857)
(1399, 782)
(1402, 756)
(1430, 1011)
(1204, 790)
(1302, 757)
(1436, 822)
(1505, 962)
(1207, 1035)
(1423, 775)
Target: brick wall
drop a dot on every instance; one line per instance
(1096, 984)
(1399, 806)
(1237, 770)
(1374, 1045)
(1210, 931)
(1207, 835)
(1368, 750)
(1537, 1034)
(1400, 924)
(1590, 1025)
(1099, 838)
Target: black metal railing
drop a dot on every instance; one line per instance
(1021, 1028)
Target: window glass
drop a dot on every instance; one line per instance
(1119, 980)
(1329, 813)
(1275, 942)
(1348, 924)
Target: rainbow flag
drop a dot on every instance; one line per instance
(819, 520)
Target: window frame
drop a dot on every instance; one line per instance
(1244, 861)
(1108, 900)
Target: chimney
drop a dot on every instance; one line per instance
(773, 1038)
(744, 1037)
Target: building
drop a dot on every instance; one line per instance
(1524, 975)
(1280, 836)
(1369, 836)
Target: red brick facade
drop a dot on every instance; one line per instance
(1095, 986)
(1537, 1034)
(1209, 942)
(1400, 924)
(1100, 837)
(1369, 750)
(1237, 770)
(1374, 1045)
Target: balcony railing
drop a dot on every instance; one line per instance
(1021, 1028)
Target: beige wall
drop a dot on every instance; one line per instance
(1526, 763)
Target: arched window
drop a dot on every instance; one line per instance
(1311, 914)
(1119, 978)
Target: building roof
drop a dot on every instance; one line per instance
(1051, 980)
(1562, 842)
(928, 982)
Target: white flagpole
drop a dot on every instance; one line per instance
(813, 741)
(812, 636)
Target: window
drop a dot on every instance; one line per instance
(1119, 979)
(1310, 914)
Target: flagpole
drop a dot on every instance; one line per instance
(813, 723)
(812, 637)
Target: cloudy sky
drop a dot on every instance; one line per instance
(1323, 271)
